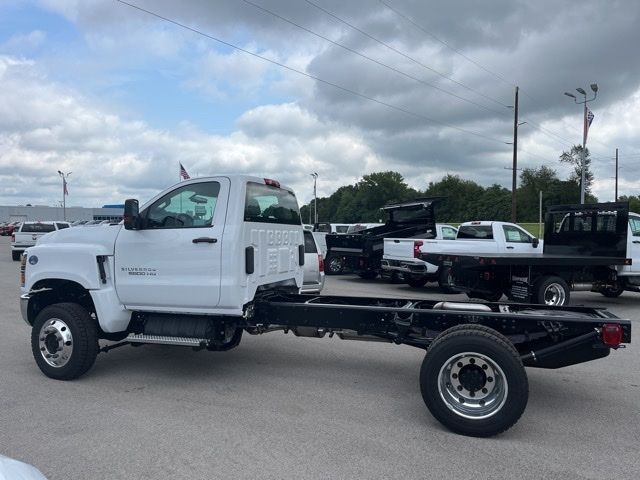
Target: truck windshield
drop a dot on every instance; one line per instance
(483, 232)
(37, 228)
(270, 204)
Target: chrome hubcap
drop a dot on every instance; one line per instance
(55, 342)
(554, 294)
(472, 385)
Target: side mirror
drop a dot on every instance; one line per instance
(131, 217)
(535, 242)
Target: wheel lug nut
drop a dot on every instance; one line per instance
(489, 379)
(472, 360)
(472, 394)
(459, 387)
(484, 390)
(68, 343)
(454, 375)
(460, 365)
(484, 367)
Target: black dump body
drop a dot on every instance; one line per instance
(581, 242)
(362, 251)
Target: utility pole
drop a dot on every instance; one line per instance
(515, 159)
(315, 198)
(616, 176)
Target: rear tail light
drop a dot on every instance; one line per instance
(13, 237)
(611, 334)
(320, 263)
(416, 248)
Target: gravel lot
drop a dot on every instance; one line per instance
(294, 408)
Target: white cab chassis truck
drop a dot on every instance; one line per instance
(212, 258)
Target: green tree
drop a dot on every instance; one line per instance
(574, 158)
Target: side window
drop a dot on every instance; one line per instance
(270, 204)
(634, 223)
(449, 233)
(190, 206)
(62, 225)
(515, 235)
(309, 243)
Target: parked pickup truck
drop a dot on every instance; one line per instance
(212, 258)
(471, 238)
(592, 247)
(28, 234)
(397, 259)
(362, 251)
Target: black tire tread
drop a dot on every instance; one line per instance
(86, 347)
(481, 331)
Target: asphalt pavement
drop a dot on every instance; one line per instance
(282, 407)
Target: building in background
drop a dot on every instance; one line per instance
(41, 212)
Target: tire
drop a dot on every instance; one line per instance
(491, 367)
(368, 274)
(444, 280)
(551, 290)
(334, 265)
(15, 256)
(612, 292)
(416, 282)
(489, 297)
(69, 328)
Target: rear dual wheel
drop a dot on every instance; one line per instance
(473, 381)
(551, 290)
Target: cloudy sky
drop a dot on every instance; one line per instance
(280, 88)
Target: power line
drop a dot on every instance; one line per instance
(435, 37)
(371, 59)
(393, 49)
(308, 75)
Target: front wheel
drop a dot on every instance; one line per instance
(612, 292)
(415, 282)
(334, 265)
(473, 382)
(445, 280)
(551, 290)
(64, 341)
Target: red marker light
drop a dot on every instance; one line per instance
(416, 248)
(271, 182)
(611, 334)
(320, 263)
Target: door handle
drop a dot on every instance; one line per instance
(204, 240)
(510, 248)
(636, 241)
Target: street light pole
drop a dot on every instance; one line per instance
(315, 198)
(515, 160)
(585, 127)
(64, 193)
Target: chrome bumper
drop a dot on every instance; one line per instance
(24, 305)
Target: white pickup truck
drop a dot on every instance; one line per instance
(212, 258)
(29, 233)
(403, 254)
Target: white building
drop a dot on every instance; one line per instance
(41, 212)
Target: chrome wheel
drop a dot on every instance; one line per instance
(472, 385)
(55, 342)
(554, 294)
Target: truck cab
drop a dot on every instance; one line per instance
(205, 246)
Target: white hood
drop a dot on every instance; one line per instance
(103, 236)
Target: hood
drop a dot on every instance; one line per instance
(104, 236)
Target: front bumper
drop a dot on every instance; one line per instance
(24, 307)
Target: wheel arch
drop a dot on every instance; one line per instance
(57, 290)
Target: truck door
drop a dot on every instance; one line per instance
(173, 262)
(518, 241)
(633, 244)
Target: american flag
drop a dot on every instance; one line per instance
(183, 173)
(587, 122)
